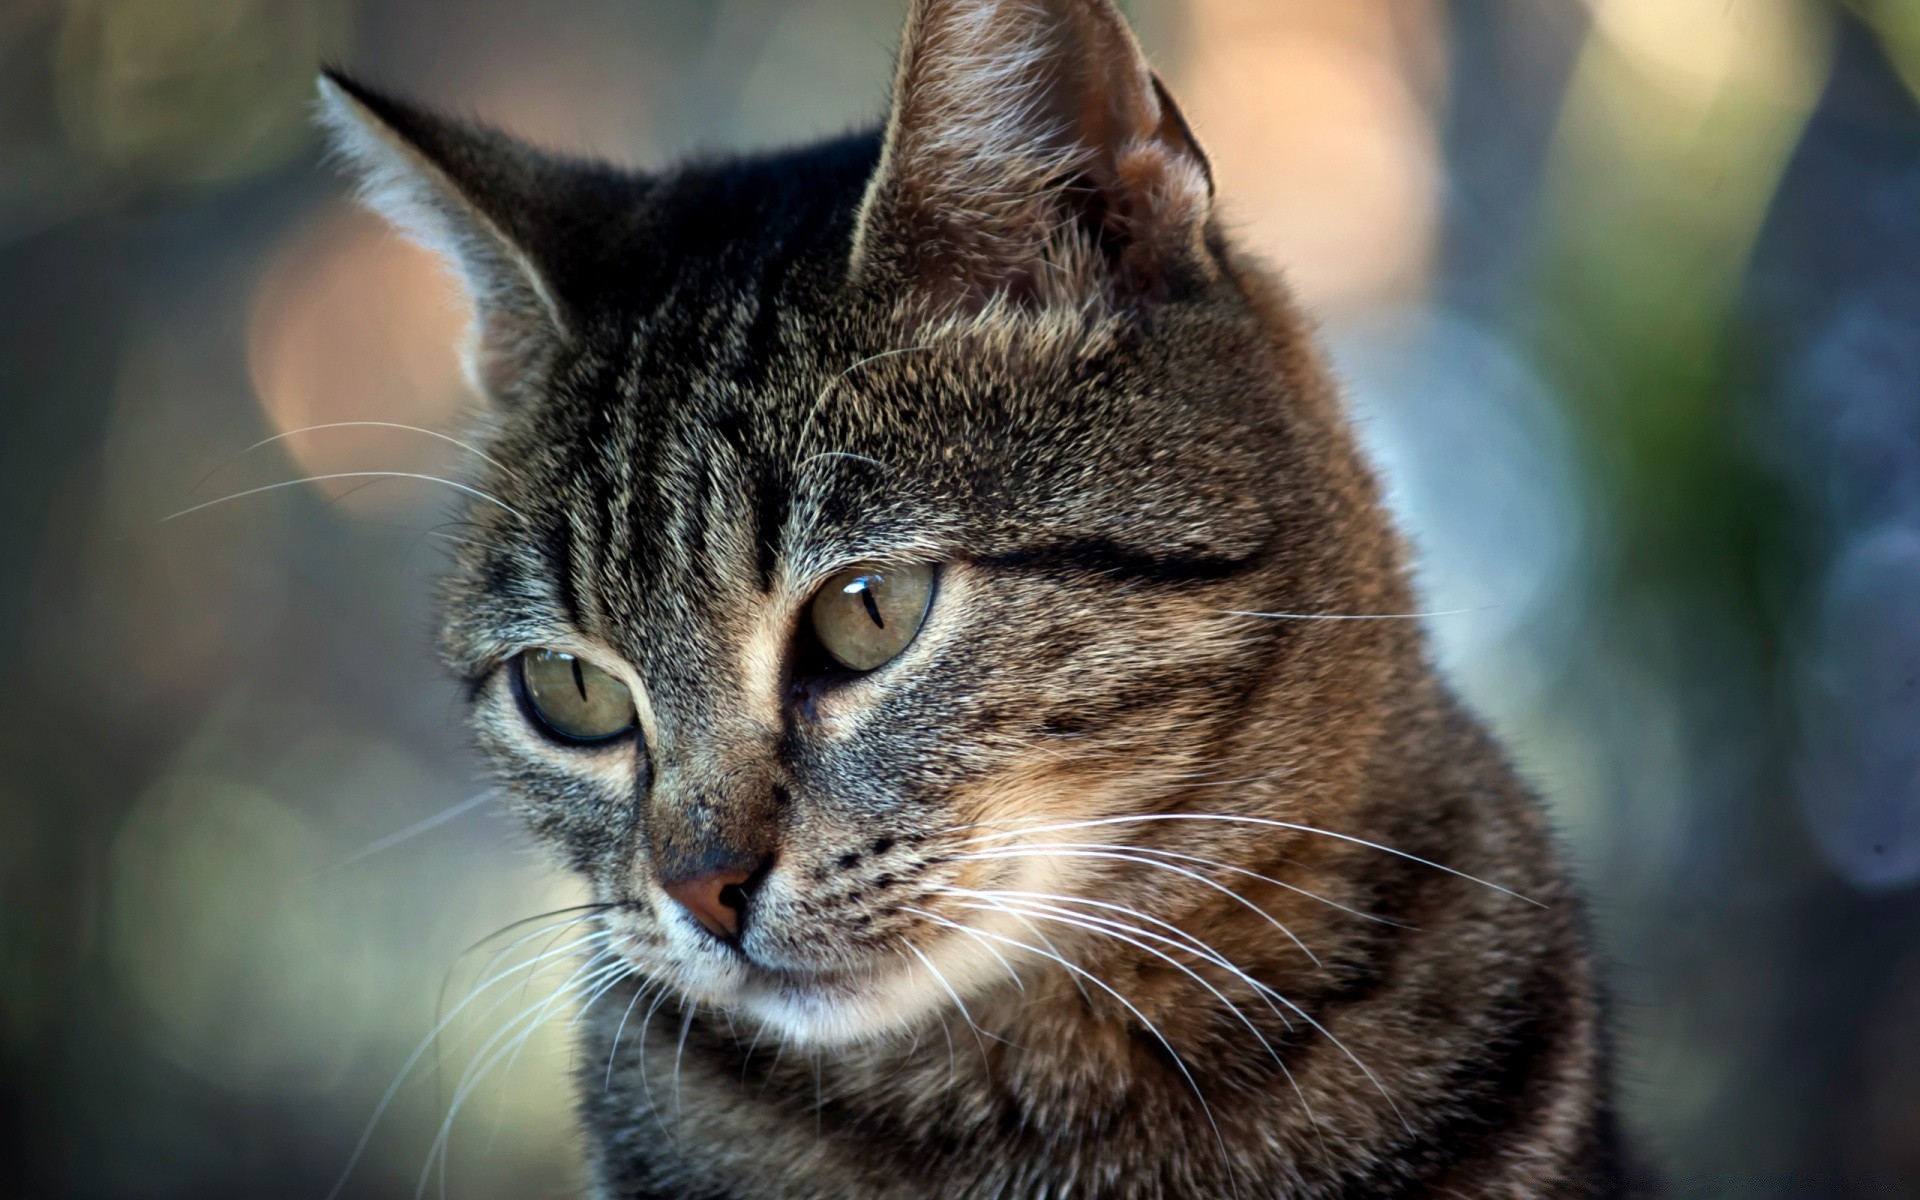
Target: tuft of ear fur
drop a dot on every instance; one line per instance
(474, 197)
(1031, 154)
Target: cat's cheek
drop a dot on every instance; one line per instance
(576, 801)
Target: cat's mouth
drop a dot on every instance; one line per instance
(824, 1006)
(890, 992)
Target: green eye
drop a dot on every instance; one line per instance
(573, 698)
(866, 616)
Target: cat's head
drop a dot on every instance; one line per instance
(863, 523)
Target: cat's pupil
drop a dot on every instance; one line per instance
(865, 587)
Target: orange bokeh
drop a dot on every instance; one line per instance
(351, 323)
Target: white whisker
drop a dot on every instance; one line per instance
(1219, 865)
(1178, 1062)
(1120, 854)
(1113, 929)
(469, 447)
(413, 830)
(419, 1051)
(958, 1003)
(287, 483)
(680, 1049)
(587, 977)
(1262, 821)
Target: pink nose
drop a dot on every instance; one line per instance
(717, 900)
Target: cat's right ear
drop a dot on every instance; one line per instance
(476, 198)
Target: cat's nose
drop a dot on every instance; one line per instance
(718, 899)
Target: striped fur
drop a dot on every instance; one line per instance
(1104, 887)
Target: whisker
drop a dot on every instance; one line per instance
(419, 1052)
(287, 483)
(1219, 865)
(413, 830)
(985, 1061)
(639, 993)
(1221, 961)
(1268, 823)
(585, 979)
(1190, 942)
(610, 980)
(809, 459)
(1112, 928)
(1178, 1062)
(686, 1023)
(583, 914)
(746, 1058)
(469, 447)
(646, 1081)
(1119, 854)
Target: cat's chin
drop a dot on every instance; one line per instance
(832, 1010)
(828, 1009)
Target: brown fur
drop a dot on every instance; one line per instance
(1312, 938)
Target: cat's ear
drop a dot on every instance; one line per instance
(1031, 153)
(478, 199)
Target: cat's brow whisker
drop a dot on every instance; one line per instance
(1153, 1029)
(332, 475)
(812, 458)
(469, 447)
(1262, 821)
(1120, 854)
(820, 401)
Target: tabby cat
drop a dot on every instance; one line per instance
(911, 584)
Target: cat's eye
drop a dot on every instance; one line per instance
(865, 617)
(574, 699)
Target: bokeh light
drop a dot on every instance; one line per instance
(354, 324)
(1623, 292)
(1316, 118)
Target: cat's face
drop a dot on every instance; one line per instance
(838, 558)
(1088, 518)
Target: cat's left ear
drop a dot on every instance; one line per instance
(481, 201)
(1032, 154)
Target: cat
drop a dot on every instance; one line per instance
(912, 582)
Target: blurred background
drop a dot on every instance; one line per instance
(1627, 294)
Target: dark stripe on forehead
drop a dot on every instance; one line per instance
(559, 555)
(770, 507)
